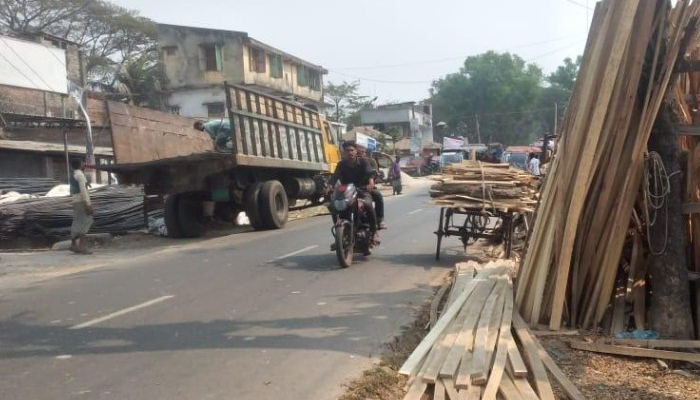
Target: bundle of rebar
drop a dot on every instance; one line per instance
(36, 186)
(117, 209)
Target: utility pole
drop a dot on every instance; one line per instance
(478, 132)
(556, 118)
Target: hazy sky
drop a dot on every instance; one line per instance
(394, 47)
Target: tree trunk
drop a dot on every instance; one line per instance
(669, 311)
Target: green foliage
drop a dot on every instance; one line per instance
(112, 38)
(347, 102)
(500, 98)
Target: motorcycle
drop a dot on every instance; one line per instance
(351, 227)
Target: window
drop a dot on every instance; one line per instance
(301, 76)
(169, 50)
(215, 110)
(211, 55)
(174, 110)
(314, 79)
(257, 60)
(308, 77)
(275, 65)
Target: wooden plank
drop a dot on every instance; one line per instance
(508, 390)
(505, 340)
(465, 340)
(618, 318)
(525, 389)
(450, 388)
(464, 273)
(435, 303)
(569, 388)
(439, 390)
(690, 208)
(635, 351)
(689, 130)
(533, 358)
(413, 361)
(474, 392)
(658, 344)
(416, 390)
(476, 372)
(516, 360)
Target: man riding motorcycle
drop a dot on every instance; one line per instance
(358, 171)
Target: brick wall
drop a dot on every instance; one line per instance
(35, 102)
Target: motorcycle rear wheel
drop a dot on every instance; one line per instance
(344, 244)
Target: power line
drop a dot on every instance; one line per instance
(579, 4)
(435, 61)
(553, 51)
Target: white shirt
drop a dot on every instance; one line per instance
(535, 166)
(84, 195)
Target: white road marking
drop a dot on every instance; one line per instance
(121, 312)
(294, 253)
(415, 211)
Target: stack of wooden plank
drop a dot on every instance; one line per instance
(588, 198)
(473, 184)
(480, 348)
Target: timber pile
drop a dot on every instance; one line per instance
(480, 348)
(36, 186)
(118, 209)
(588, 199)
(473, 184)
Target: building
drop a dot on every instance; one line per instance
(411, 119)
(198, 61)
(35, 75)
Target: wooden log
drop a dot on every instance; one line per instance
(658, 344)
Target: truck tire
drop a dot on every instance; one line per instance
(274, 205)
(251, 199)
(172, 222)
(190, 214)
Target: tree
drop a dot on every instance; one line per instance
(141, 81)
(347, 102)
(500, 88)
(110, 36)
(502, 98)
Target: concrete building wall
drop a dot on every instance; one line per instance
(193, 103)
(182, 54)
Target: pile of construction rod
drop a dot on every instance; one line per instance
(35, 186)
(118, 209)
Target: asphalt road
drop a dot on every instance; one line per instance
(257, 315)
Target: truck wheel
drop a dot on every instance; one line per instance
(274, 205)
(172, 223)
(190, 213)
(251, 199)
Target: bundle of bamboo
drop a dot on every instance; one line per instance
(474, 184)
(472, 351)
(588, 199)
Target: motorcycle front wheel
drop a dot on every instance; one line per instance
(344, 244)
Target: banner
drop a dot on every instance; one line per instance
(365, 141)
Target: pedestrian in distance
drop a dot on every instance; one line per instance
(534, 164)
(82, 208)
(395, 176)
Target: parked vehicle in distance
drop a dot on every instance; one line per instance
(518, 156)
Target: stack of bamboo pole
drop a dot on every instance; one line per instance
(473, 184)
(587, 202)
(480, 348)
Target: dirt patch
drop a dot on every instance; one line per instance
(602, 377)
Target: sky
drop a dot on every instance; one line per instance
(395, 48)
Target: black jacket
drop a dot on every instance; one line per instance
(357, 174)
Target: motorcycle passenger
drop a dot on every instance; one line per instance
(358, 171)
(377, 196)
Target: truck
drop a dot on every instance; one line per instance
(279, 152)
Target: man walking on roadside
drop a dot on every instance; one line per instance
(82, 208)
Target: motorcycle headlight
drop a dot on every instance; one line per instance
(340, 205)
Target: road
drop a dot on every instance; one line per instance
(256, 315)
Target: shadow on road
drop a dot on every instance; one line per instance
(355, 332)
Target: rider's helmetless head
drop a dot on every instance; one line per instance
(350, 149)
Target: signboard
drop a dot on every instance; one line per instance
(365, 141)
(32, 66)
